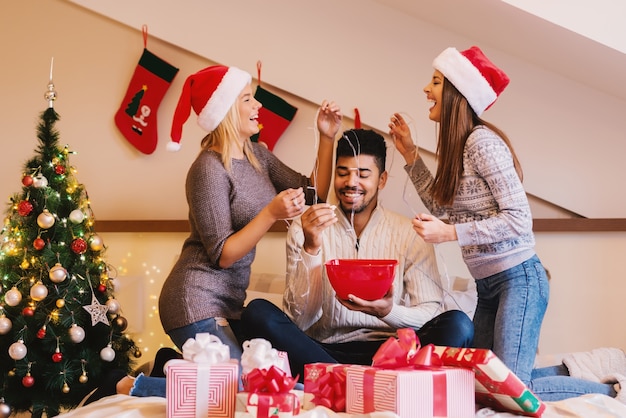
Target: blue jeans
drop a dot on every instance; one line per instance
(263, 319)
(554, 384)
(225, 330)
(509, 313)
(510, 310)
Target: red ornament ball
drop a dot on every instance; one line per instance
(41, 334)
(102, 288)
(57, 357)
(39, 243)
(27, 181)
(59, 169)
(28, 381)
(24, 208)
(79, 246)
(28, 311)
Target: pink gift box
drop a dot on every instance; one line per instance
(496, 385)
(410, 393)
(273, 405)
(196, 389)
(325, 385)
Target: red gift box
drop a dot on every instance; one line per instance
(325, 385)
(199, 389)
(410, 392)
(273, 405)
(496, 385)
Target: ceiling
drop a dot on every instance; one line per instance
(528, 37)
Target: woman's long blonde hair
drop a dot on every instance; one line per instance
(456, 124)
(225, 136)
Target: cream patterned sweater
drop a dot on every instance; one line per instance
(310, 301)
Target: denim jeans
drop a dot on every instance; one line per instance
(554, 384)
(509, 313)
(225, 330)
(262, 319)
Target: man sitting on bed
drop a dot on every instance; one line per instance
(316, 326)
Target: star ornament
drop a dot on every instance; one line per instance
(97, 311)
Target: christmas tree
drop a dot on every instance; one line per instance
(61, 329)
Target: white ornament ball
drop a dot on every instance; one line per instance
(45, 219)
(77, 334)
(114, 305)
(5, 410)
(57, 273)
(95, 242)
(107, 353)
(18, 350)
(39, 182)
(5, 325)
(38, 292)
(77, 216)
(13, 297)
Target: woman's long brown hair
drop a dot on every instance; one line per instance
(456, 123)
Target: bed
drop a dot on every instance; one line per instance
(462, 296)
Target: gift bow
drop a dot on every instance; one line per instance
(405, 351)
(272, 380)
(330, 391)
(258, 354)
(206, 349)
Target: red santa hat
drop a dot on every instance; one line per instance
(211, 92)
(473, 75)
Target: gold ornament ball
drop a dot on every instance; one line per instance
(95, 242)
(66, 388)
(11, 373)
(45, 219)
(57, 273)
(60, 303)
(137, 353)
(83, 378)
(121, 323)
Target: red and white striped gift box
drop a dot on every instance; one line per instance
(195, 390)
(410, 393)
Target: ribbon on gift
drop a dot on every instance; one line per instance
(205, 350)
(268, 381)
(405, 351)
(258, 354)
(330, 390)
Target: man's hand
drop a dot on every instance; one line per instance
(315, 220)
(378, 308)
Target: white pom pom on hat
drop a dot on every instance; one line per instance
(474, 76)
(210, 92)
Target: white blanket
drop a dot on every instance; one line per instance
(123, 406)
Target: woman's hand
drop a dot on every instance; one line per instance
(401, 136)
(432, 229)
(287, 204)
(329, 119)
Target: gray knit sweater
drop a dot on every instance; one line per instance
(220, 203)
(490, 211)
(309, 298)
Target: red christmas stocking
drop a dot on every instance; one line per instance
(274, 117)
(137, 116)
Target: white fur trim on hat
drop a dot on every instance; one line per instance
(223, 98)
(467, 79)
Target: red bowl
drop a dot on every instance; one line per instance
(366, 279)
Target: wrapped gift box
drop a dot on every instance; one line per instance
(241, 407)
(497, 386)
(199, 389)
(325, 385)
(270, 405)
(410, 393)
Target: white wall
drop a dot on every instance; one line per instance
(95, 57)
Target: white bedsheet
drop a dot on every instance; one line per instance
(123, 406)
